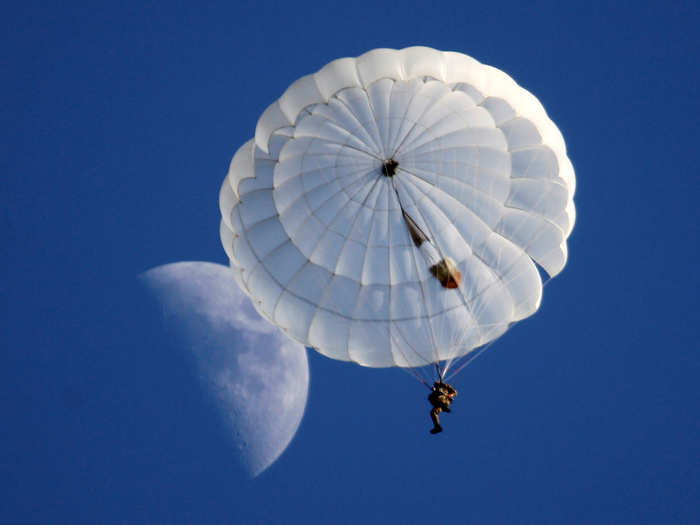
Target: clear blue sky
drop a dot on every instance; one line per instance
(119, 123)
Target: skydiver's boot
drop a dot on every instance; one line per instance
(436, 430)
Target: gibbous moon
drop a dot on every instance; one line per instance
(258, 377)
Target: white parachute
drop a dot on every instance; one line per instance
(393, 209)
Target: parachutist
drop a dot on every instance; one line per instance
(441, 398)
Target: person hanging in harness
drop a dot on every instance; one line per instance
(441, 398)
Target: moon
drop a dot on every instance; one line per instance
(257, 377)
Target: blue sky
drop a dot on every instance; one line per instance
(120, 123)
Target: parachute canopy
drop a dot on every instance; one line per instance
(393, 209)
